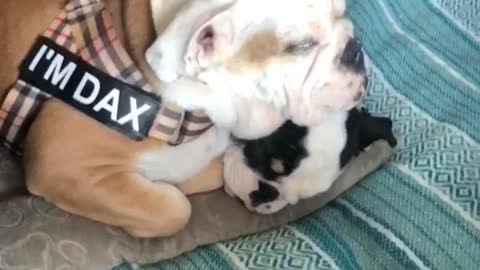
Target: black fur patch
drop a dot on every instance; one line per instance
(265, 193)
(285, 144)
(363, 129)
(353, 57)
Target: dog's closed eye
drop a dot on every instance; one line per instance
(302, 46)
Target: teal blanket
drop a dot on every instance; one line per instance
(422, 210)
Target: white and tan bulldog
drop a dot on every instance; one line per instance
(259, 65)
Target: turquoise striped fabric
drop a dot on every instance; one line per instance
(422, 210)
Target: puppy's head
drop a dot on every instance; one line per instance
(300, 55)
(267, 199)
(243, 184)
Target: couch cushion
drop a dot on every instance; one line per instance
(52, 237)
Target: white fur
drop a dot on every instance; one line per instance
(175, 164)
(252, 102)
(320, 169)
(246, 117)
(315, 174)
(242, 180)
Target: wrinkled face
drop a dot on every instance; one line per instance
(241, 183)
(258, 196)
(300, 55)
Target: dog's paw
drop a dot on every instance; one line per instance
(186, 93)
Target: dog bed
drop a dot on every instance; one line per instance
(36, 235)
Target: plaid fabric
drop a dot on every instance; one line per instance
(85, 28)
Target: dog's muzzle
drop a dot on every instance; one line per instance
(353, 57)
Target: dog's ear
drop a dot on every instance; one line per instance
(339, 7)
(375, 128)
(210, 41)
(175, 23)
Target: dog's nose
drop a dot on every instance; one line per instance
(352, 56)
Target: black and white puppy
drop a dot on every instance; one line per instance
(297, 162)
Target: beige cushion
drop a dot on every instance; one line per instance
(52, 238)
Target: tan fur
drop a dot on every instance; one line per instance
(20, 23)
(78, 164)
(256, 52)
(277, 166)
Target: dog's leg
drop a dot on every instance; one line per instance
(141, 207)
(192, 95)
(188, 94)
(209, 179)
(376, 128)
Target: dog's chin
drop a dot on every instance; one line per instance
(271, 207)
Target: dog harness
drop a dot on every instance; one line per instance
(80, 60)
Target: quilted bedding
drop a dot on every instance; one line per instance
(422, 210)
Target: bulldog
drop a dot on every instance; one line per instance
(298, 162)
(257, 65)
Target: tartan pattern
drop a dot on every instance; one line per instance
(17, 113)
(85, 28)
